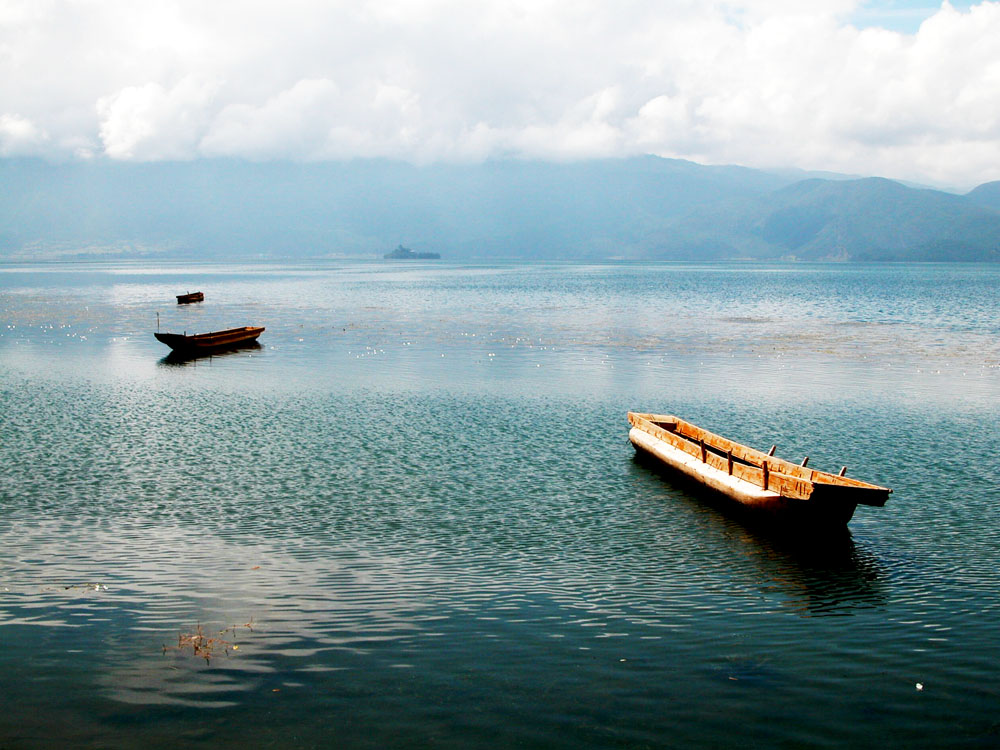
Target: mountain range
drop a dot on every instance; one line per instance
(643, 208)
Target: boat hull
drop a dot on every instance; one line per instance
(750, 501)
(186, 299)
(207, 343)
(749, 480)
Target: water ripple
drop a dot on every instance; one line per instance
(462, 547)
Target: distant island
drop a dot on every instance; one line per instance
(404, 253)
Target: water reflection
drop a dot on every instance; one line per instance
(183, 359)
(815, 571)
(825, 575)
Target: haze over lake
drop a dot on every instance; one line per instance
(412, 517)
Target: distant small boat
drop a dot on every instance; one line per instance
(206, 343)
(184, 299)
(404, 253)
(757, 481)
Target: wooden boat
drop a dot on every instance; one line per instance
(185, 299)
(206, 343)
(757, 481)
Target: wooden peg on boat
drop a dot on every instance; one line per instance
(804, 461)
(773, 449)
(843, 471)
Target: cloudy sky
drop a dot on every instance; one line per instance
(901, 88)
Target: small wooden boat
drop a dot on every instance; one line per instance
(757, 481)
(206, 343)
(186, 299)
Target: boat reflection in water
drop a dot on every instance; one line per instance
(827, 576)
(813, 570)
(184, 358)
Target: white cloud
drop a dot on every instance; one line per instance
(756, 82)
(297, 120)
(150, 122)
(20, 136)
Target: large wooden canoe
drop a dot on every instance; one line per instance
(205, 343)
(757, 481)
(185, 299)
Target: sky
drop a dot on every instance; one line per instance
(906, 89)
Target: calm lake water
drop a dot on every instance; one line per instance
(412, 517)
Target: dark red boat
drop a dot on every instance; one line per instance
(186, 299)
(206, 343)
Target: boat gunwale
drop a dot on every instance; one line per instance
(218, 334)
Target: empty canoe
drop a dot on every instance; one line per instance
(757, 481)
(206, 343)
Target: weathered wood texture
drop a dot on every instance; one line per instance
(761, 469)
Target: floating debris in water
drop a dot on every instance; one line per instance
(200, 644)
(205, 646)
(89, 586)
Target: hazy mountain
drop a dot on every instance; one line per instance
(987, 195)
(876, 219)
(232, 208)
(644, 207)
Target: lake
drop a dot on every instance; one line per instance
(412, 516)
